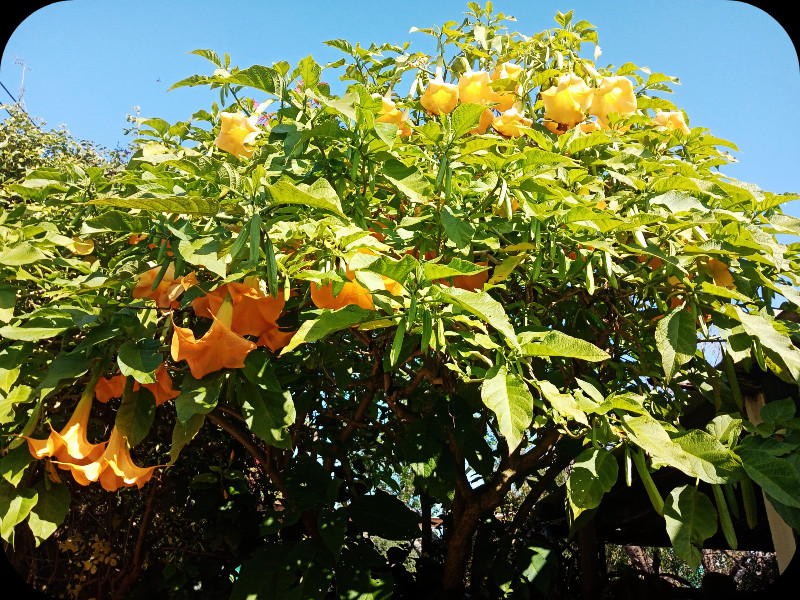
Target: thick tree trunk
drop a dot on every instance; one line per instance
(591, 579)
(459, 544)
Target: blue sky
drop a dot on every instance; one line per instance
(91, 61)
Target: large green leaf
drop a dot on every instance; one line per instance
(593, 473)
(183, 433)
(68, 365)
(463, 118)
(8, 299)
(564, 404)
(778, 346)
(14, 464)
(140, 360)
(50, 510)
(203, 251)
(676, 340)
(135, 415)
(408, 180)
(383, 265)
(261, 78)
(384, 515)
(509, 398)
(284, 192)
(709, 459)
(23, 253)
(556, 343)
(195, 205)
(198, 396)
(691, 519)
(268, 414)
(328, 322)
(458, 230)
(114, 220)
(483, 306)
(15, 505)
(432, 271)
(763, 463)
(697, 453)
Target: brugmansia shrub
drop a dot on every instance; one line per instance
(445, 296)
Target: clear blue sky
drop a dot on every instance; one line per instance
(91, 61)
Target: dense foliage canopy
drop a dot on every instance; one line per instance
(307, 324)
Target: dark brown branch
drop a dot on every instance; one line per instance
(247, 441)
(534, 494)
(133, 574)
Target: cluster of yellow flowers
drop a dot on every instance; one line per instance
(498, 91)
(566, 105)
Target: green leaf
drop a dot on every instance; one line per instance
(509, 398)
(432, 271)
(114, 220)
(383, 265)
(183, 433)
(140, 360)
(328, 322)
(8, 299)
(14, 508)
(26, 333)
(710, 288)
(14, 464)
(483, 306)
(263, 575)
(409, 180)
(135, 415)
(195, 205)
(267, 414)
(556, 343)
(778, 346)
(456, 229)
(384, 515)
(65, 366)
(208, 55)
(203, 251)
(198, 396)
(261, 78)
(776, 475)
(332, 525)
(691, 519)
(317, 196)
(709, 459)
(679, 202)
(564, 404)
(22, 254)
(17, 395)
(676, 340)
(50, 511)
(593, 473)
(696, 453)
(463, 118)
(387, 132)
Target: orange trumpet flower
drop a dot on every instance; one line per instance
(253, 311)
(168, 289)
(219, 348)
(114, 469)
(113, 388)
(70, 444)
